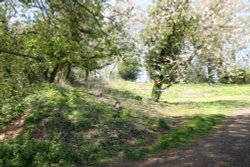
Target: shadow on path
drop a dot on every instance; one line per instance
(227, 147)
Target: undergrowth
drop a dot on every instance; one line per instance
(181, 134)
(69, 127)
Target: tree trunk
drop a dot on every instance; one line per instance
(68, 72)
(45, 75)
(156, 92)
(210, 71)
(86, 75)
(53, 73)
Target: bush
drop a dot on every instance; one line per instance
(122, 94)
(129, 69)
(162, 123)
(118, 131)
(25, 152)
(137, 153)
(243, 77)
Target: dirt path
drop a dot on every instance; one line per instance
(15, 127)
(227, 147)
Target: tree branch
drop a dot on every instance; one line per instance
(39, 58)
(93, 15)
(168, 86)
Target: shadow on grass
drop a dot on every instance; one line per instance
(228, 146)
(121, 95)
(72, 128)
(115, 93)
(184, 132)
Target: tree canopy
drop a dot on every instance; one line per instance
(183, 35)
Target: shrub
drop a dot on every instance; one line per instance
(129, 69)
(162, 123)
(118, 131)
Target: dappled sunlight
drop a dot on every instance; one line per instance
(143, 83)
(84, 123)
(89, 124)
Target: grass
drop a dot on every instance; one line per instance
(187, 92)
(14, 106)
(192, 99)
(70, 126)
(183, 133)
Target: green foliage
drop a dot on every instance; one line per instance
(69, 127)
(181, 134)
(188, 131)
(90, 154)
(181, 44)
(118, 131)
(137, 154)
(26, 152)
(129, 69)
(165, 36)
(12, 107)
(162, 123)
(50, 44)
(119, 94)
(58, 131)
(241, 77)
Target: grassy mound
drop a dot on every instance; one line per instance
(70, 127)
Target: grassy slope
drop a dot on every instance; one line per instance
(71, 127)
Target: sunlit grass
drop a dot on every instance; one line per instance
(187, 91)
(93, 132)
(183, 133)
(191, 99)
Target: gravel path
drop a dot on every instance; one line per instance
(227, 147)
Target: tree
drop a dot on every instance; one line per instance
(13, 81)
(50, 38)
(218, 27)
(129, 69)
(61, 35)
(182, 34)
(165, 37)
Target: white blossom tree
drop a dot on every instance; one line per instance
(179, 31)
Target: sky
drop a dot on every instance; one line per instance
(143, 3)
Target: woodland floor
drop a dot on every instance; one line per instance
(15, 127)
(229, 146)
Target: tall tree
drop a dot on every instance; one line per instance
(179, 32)
(165, 34)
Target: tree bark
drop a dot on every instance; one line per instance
(68, 72)
(86, 75)
(45, 75)
(156, 92)
(53, 73)
(210, 71)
